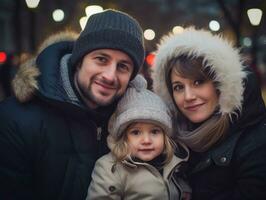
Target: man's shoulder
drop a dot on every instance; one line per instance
(21, 115)
(12, 106)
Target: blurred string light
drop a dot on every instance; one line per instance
(32, 3)
(178, 29)
(150, 59)
(247, 41)
(83, 21)
(214, 25)
(254, 16)
(93, 9)
(149, 34)
(89, 10)
(58, 15)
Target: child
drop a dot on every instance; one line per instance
(141, 164)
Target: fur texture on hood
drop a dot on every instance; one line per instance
(217, 53)
(25, 83)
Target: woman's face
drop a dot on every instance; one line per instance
(196, 99)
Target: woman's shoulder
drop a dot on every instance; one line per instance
(253, 139)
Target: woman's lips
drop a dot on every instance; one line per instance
(193, 107)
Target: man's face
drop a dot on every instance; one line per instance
(103, 76)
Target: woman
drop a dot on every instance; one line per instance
(220, 113)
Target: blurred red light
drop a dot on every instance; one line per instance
(3, 57)
(150, 59)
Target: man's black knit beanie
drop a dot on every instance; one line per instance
(111, 29)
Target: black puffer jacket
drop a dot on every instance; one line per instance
(48, 142)
(235, 169)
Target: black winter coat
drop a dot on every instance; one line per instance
(235, 169)
(48, 144)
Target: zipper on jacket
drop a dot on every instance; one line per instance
(99, 133)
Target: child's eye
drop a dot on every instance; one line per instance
(156, 131)
(134, 132)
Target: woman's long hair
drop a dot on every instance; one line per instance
(199, 137)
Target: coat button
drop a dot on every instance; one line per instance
(223, 159)
(112, 188)
(113, 168)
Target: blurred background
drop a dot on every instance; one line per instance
(24, 24)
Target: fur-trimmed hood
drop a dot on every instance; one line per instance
(25, 84)
(217, 52)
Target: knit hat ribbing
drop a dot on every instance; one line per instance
(114, 30)
(139, 104)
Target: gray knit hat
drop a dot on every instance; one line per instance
(114, 30)
(139, 104)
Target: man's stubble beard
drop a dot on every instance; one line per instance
(89, 96)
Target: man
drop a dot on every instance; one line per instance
(54, 130)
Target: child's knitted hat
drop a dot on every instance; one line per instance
(139, 105)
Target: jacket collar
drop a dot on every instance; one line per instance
(221, 154)
(168, 169)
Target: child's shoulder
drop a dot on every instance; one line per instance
(107, 158)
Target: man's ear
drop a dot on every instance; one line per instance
(78, 65)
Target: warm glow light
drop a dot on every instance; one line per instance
(58, 15)
(93, 9)
(149, 34)
(3, 57)
(178, 29)
(150, 59)
(254, 16)
(83, 21)
(32, 3)
(214, 25)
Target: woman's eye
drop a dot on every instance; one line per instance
(177, 87)
(198, 82)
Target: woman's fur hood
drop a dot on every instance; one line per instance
(25, 82)
(217, 52)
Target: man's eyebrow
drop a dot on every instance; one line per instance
(101, 53)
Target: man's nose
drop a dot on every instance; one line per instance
(109, 73)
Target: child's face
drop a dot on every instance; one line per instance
(146, 140)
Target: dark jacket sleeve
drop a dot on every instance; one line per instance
(15, 161)
(250, 166)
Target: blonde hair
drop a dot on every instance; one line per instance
(120, 148)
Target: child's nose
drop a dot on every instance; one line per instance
(146, 139)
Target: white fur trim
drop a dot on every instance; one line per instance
(217, 52)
